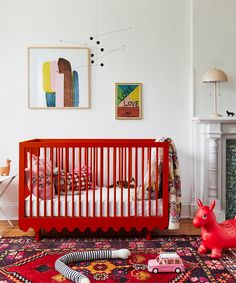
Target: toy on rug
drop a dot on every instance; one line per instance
(5, 170)
(166, 262)
(75, 276)
(215, 236)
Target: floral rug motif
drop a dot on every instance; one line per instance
(25, 260)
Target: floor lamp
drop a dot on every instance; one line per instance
(215, 76)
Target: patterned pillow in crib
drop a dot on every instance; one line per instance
(40, 186)
(39, 163)
(40, 182)
(80, 181)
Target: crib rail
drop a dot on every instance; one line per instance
(85, 183)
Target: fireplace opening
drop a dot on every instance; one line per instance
(230, 178)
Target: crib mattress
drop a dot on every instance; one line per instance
(51, 208)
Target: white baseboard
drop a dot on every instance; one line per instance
(185, 210)
(10, 209)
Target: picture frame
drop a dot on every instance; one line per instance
(128, 101)
(58, 77)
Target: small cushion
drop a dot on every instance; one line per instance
(81, 180)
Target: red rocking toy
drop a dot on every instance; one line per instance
(215, 236)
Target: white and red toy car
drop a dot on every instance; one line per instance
(166, 262)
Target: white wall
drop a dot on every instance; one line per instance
(214, 45)
(157, 54)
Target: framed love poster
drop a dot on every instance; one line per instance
(128, 101)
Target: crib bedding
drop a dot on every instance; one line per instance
(47, 207)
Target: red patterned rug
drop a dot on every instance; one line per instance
(25, 260)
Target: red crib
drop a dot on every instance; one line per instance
(93, 183)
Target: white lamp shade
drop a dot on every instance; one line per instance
(214, 75)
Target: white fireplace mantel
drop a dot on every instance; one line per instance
(209, 163)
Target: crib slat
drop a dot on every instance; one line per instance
(37, 185)
(62, 158)
(165, 182)
(125, 161)
(149, 181)
(23, 192)
(121, 178)
(67, 160)
(142, 172)
(119, 164)
(157, 187)
(90, 174)
(45, 178)
(96, 166)
(31, 191)
(91, 157)
(101, 178)
(73, 182)
(86, 181)
(59, 181)
(94, 178)
(80, 157)
(66, 169)
(108, 181)
(114, 178)
(136, 180)
(52, 180)
(129, 177)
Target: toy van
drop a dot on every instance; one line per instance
(166, 262)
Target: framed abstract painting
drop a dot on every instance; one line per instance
(128, 100)
(59, 77)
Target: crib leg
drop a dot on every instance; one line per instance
(148, 235)
(38, 235)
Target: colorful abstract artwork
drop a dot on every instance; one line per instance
(128, 101)
(59, 77)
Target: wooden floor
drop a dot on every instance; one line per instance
(186, 228)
